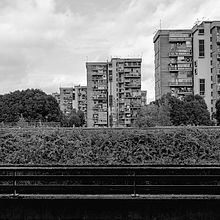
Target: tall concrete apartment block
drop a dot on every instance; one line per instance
(202, 55)
(206, 56)
(71, 98)
(173, 62)
(66, 99)
(114, 92)
(97, 94)
(80, 99)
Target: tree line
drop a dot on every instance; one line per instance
(171, 110)
(34, 105)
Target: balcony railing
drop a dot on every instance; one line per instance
(173, 69)
(176, 69)
(218, 39)
(132, 75)
(179, 39)
(180, 83)
(133, 85)
(184, 92)
(176, 53)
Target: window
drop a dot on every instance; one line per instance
(201, 31)
(195, 71)
(211, 62)
(211, 70)
(211, 78)
(210, 47)
(211, 86)
(110, 75)
(212, 101)
(201, 48)
(211, 109)
(210, 39)
(202, 86)
(211, 93)
(195, 63)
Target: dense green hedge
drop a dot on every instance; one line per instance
(182, 146)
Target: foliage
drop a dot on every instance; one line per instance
(110, 147)
(74, 119)
(154, 115)
(22, 123)
(190, 110)
(33, 104)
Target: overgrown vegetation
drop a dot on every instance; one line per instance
(171, 110)
(109, 147)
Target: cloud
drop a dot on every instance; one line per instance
(45, 43)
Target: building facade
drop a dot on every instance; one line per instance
(66, 99)
(200, 50)
(71, 98)
(97, 90)
(114, 92)
(173, 62)
(80, 100)
(206, 57)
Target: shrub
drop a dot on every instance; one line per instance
(109, 147)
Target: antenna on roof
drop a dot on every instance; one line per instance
(160, 24)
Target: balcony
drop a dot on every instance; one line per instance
(120, 81)
(120, 69)
(218, 87)
(179, 38)
(184, 92)
(176, 69)
(218, 39)
(132, 97)
(173, 69)
(180, 83)
(133, 64)
(132, 75)
(218, 56)
(99, 97)
(133, 85)
(176, 54)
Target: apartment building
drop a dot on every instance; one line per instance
(206, 56)
(80, 100)
(66, 99)
(97, 92)
(114, 92)
(71, 98)
(56, 95)
(202, 61)
(173, 62)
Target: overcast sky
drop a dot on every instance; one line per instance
(45, 43)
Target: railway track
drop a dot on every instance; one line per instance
(110, 182)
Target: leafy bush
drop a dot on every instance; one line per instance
(109, 147)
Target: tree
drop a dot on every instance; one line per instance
(76, 119)
(196, 111)
(32, 104)
(190, 110)
(154, 115)
(82, 117)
